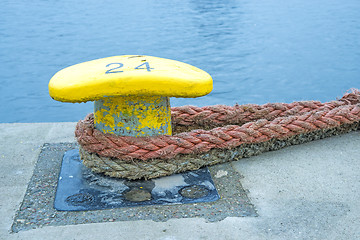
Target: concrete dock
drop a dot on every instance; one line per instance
(308, 191)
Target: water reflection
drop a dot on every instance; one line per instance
(219, 27)
(256, 51)
(216, 21)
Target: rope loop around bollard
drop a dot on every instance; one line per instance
(213, 129)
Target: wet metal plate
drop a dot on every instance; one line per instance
(37, 208)
(80, 189)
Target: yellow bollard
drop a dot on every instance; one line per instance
(133, 116)
(131, 92)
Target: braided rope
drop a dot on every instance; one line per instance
(219, 115)
(153, 168)
(254, 124)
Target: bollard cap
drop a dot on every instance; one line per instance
(128, 75)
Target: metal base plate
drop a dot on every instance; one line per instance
(80, 189)
(37, 208)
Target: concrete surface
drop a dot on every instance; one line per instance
(310, 191)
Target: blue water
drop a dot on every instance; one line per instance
(256, 51)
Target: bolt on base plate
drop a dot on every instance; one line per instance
(80, 189)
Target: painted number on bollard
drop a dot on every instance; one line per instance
(116, 66)
(147, 66)
(120, 65)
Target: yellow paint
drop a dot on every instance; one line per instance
(138, 114)
(89, 81)
(104, 117)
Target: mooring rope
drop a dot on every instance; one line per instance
(240, 124)
(219, 115)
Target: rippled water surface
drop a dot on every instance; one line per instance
(256, 51)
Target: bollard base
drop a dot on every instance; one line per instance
(37, 208)
(81, 189)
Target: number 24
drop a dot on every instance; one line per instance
(120, 65)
